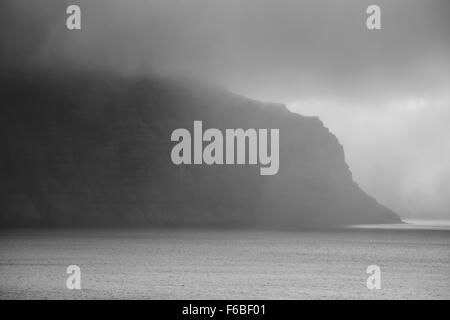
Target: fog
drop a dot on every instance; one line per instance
(384, 93)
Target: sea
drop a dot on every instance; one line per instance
(413, 262)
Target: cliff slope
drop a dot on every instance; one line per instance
(86, 149)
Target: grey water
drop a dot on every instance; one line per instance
(227, 264)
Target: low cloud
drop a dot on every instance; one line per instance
(382, 92)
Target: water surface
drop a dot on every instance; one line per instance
(224, 264)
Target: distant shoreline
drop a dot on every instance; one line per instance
(408, 225)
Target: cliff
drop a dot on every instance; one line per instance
(84, 149)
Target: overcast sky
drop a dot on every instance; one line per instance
(384, 93)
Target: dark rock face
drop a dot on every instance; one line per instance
(94, 150)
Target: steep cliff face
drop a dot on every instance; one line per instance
(94, 150)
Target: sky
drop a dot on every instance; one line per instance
(384, 93)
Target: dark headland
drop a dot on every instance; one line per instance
(83, 149)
